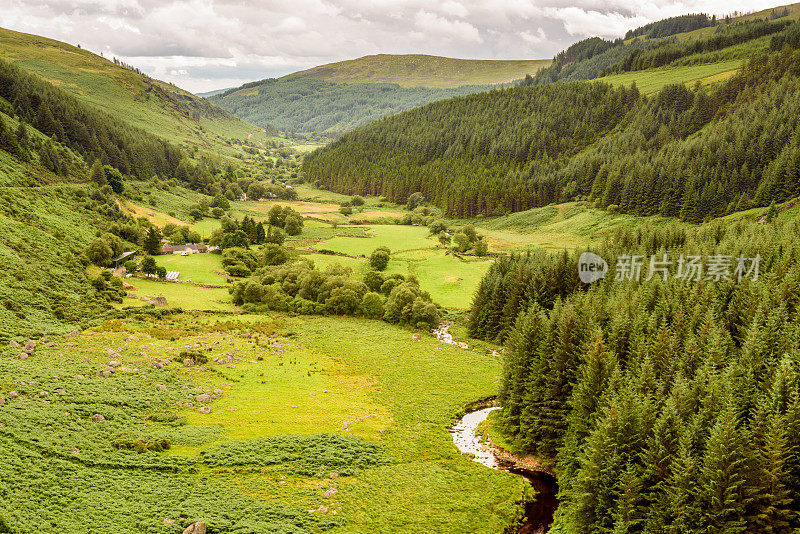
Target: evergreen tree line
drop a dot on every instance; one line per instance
(682, 152)
(663, 406)
(672, 26)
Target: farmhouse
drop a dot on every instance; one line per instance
(183, 250)
(122, 258)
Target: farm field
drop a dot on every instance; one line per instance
(361, 397)
(198, 268)
(180, 295)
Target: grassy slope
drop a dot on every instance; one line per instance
(155, 106)
(419, 70)
(298, 376)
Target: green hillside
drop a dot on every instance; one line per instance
(154, 106)
(308, 105)
(338, 97)
(419, 70)
(524, 147)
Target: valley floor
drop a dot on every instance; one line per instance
(376, 403)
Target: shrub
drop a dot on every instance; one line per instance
(379, 258)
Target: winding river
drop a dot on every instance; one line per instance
(539, 512)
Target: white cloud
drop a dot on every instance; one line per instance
(434, 25)
(206, 44)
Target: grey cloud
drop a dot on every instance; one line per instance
(199, 44)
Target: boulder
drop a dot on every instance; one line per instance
(416, 337)
(334, 474)
(30, 347)
(70, 344)
(14, 344)
(188, 362)
(45, 340)
(196, 528)
(60, 391)
(331, 492)
(203, 397)
(49, 344)
(24, 355)
(114, 363)
(97, 418)
(107, 373)
(161, 387)
(205, 409)
(168, 521)
(13, 394)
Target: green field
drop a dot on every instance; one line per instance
(396, 237)
(651, 81)
(365, 381)
(198, 268)
(179, 295)
(418, 70)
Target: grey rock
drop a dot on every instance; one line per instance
(114, 363)
(97, 418)
(13, 394)
(24, 355)
(14, 344)
(203, 397)
(205, 409)
(107, 373)
(188, 362)
(30, 347)
(196, 528)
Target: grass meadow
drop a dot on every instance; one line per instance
(295, 399)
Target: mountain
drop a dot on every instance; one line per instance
(211, 93)
(528, 146)
(338, 97)
(123, 92)
(419, 70)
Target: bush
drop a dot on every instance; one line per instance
(130, 266)
(379, 258)
(481, 248)
(357, 201)
(372, 306)
(99, 252)
(373, 280)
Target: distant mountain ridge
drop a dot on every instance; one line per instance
(422, 70)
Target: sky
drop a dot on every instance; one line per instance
(202, 45)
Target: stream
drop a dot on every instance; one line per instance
(539, 512)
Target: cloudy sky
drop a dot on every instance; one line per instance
(202, 45)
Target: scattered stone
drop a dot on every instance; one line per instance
(203, 397)
(161, 387)
(23, 355)
(160, 302)
(70, 344)
(50, 345)
(30, 347)
(44, 394)
(196, 528)
(97, 418)
(74, 333)
(79, 377)
(416, 337)
(76, 450)
(114, 363)
(217, 392)
(45, 340)
(13, 394)
(107, 373)
(60, 391)
(205, 409)
(188, 362)
(14, 344)
(331, 492)
(133, 338)
(168, 521)
(334, 474)
(322, 509)
(2, 400)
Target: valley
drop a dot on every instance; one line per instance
(233, 314)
